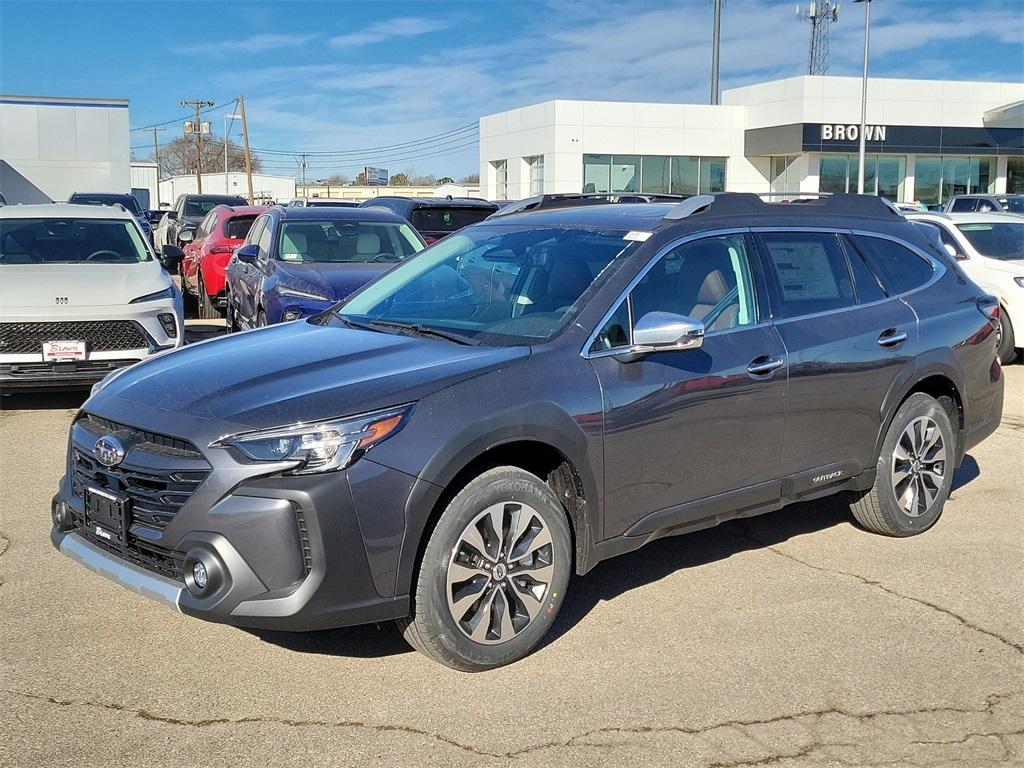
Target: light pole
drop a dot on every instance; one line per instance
(227, 129)
(864, 94)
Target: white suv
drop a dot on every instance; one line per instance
(990, 249)
(81, 294)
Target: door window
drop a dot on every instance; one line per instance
(264, 242)
(963, 204)
(864, 280)
(708, 280)
(810, 273)
(256, 231)
(900, 269)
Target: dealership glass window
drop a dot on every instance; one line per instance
(1015, 176)
(597, 173)
(936, 179)
(685, 176)
(884, 175)
(625, 173)
(500, 179)
(784, 176)
(536, 167)
(655, 174)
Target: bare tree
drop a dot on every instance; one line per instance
(178, 157)
(473, 178)
(337, 180)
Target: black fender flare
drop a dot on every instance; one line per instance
(543, 423)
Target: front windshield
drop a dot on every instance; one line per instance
(71, 241)
(502, 285)
(346, 240)
(1003, 241)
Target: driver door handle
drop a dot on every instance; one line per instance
(892, 337)
(764, 365)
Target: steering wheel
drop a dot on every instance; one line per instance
(103, 252)
(384, 257)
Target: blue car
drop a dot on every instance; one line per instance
(297, 262)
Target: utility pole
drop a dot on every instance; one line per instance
(302, 166)
(197, 128)
(245, 144)
(714, 51)
(156, 155)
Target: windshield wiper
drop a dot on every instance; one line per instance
(422, 330)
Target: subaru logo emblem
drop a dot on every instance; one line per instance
(109, 451)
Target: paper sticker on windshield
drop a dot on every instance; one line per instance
(638, 236)
(291, 256)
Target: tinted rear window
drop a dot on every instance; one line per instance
(447, 219)
(238, 227)
(900, 269)
(195, 207)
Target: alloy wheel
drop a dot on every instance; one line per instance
(500, 573)
(918, 466)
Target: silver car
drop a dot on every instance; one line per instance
(81, 294)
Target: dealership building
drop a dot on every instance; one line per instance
(925, 140)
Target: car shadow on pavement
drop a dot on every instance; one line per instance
(619, 575)
(43, 400)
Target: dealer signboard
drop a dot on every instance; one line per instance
(796, 138)
(376, 177)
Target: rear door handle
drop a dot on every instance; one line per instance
(892, 337)
(764, 365)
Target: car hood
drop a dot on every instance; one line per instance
(83, 285)
(299, 372)
(335, 281)
(1008, 266)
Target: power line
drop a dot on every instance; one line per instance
(327, 163)
(405, 144)
(178, 119)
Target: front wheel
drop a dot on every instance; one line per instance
(915, 471)
(493, 574)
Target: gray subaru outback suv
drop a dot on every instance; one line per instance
(530, 396)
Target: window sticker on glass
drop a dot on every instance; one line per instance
(639, 237)
(804, 271)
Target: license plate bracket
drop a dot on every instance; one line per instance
(106, 514)
(63, 351)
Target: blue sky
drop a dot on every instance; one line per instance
(353, 76)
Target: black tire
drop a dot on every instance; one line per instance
(261, 319)
(433, 629)
(897, 509)
(230, 322)
(187, 297)
(1007, 351)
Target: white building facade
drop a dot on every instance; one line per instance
(51, 147)
(926, 140)
(265, 188)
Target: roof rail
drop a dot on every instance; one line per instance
(572, 199)
(740, 203)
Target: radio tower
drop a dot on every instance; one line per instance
(822, 14)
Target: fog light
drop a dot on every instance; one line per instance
(167, 323)
(292, 314)
(199, 574)
(61, 516)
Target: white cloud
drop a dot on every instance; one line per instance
(410, 26)
(259, 43)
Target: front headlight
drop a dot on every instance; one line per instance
(319, 447)
(295, 292)
(166, 293)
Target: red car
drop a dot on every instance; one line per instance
(208, 253)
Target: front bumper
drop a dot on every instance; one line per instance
(27, 368)
(288, 553)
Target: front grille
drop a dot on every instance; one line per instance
(156, 493)
(148, 441)
(307, 555)
(63, 369)
(98, 335)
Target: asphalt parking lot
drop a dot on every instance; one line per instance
(789, 639)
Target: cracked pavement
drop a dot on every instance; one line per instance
(790, 639)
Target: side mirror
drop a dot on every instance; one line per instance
(247, 253)
(186, 236)
(172, 215)
(170, 257)
(661, 331)
(952, 251)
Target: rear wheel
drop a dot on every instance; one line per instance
(229, 316)
(493, 574)
(1006, 349)
(206, 309)
(914, 471)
